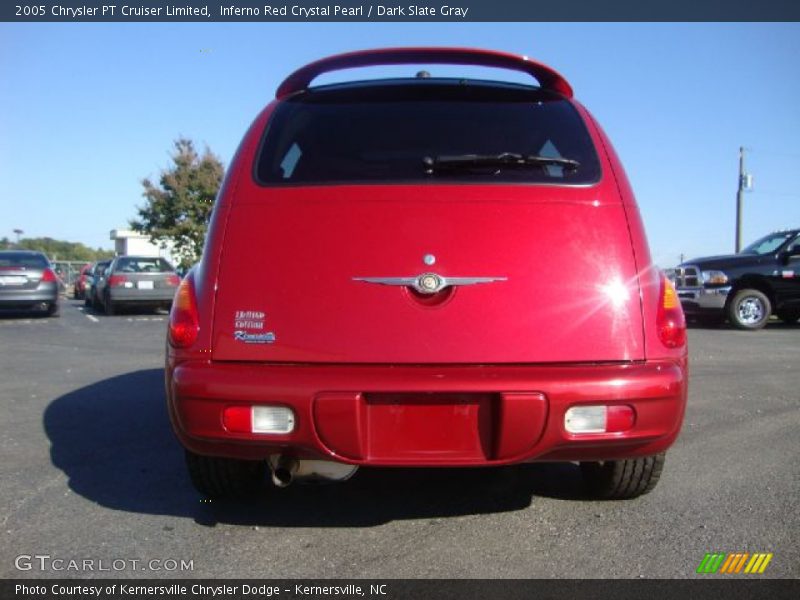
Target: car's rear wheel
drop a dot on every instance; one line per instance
(52, 309)
(749, 309)
(789, 315)
(218, 477)
(108, 306)
(622, 479)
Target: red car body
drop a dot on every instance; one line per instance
(575, 315)
(79, 290)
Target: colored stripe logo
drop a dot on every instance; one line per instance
(734, 562)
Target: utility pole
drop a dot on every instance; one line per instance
(745, 183)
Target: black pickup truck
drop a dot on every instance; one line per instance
(763, 279)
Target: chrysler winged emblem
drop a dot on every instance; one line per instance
(429, 283)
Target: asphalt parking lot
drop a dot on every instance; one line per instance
(91, 472)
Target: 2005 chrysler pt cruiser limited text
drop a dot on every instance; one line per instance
(450, 272)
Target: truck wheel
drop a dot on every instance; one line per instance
(749, 309)
(622, 479)
(789, 316)
(218, 477)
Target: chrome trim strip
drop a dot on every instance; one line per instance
(429, 283)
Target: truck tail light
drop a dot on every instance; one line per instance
(670, 321)
(184, 321)
(49, 276)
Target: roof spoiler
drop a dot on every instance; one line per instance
(302, 77)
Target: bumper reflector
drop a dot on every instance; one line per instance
(258, 419)
(599, 419)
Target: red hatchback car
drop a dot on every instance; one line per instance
(79, 288)
(425, 272)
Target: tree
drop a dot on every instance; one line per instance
(177, 210)
(62, 250)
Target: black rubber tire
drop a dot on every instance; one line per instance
(87, 302)
(108, 306)
(789, 316)
(749, 310)
(218, 477)
(52, 310)
(622, 479)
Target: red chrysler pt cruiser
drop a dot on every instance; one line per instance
(430, 272)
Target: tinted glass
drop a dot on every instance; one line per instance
(768, 244)
(130, 264)
(382, 134)
(13, 260)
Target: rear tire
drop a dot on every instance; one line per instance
(622, 479)
(749, 310)
(108, 306)
(218, 477)
(52, 310)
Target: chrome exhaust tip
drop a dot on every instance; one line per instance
(287, 470)
(283, 471)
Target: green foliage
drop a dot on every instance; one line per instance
(62, 250)
(178, 208)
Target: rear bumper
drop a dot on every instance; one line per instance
(19, 299)
(427, 415)
(136, 296)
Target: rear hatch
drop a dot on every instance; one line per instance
(21, 271)
(291, 258)
(353, 185)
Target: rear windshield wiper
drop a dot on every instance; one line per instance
(502, 160)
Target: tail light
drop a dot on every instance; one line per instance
(670, 320)
(117, 280)
(258, 419)
(184, 322)
(49, 276)
(173, 280)
(599, 419)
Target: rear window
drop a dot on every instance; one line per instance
(23, 261)
(387, 133)
(142, 265)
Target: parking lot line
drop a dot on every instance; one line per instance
(92, 318)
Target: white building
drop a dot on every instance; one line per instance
(133, 243)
